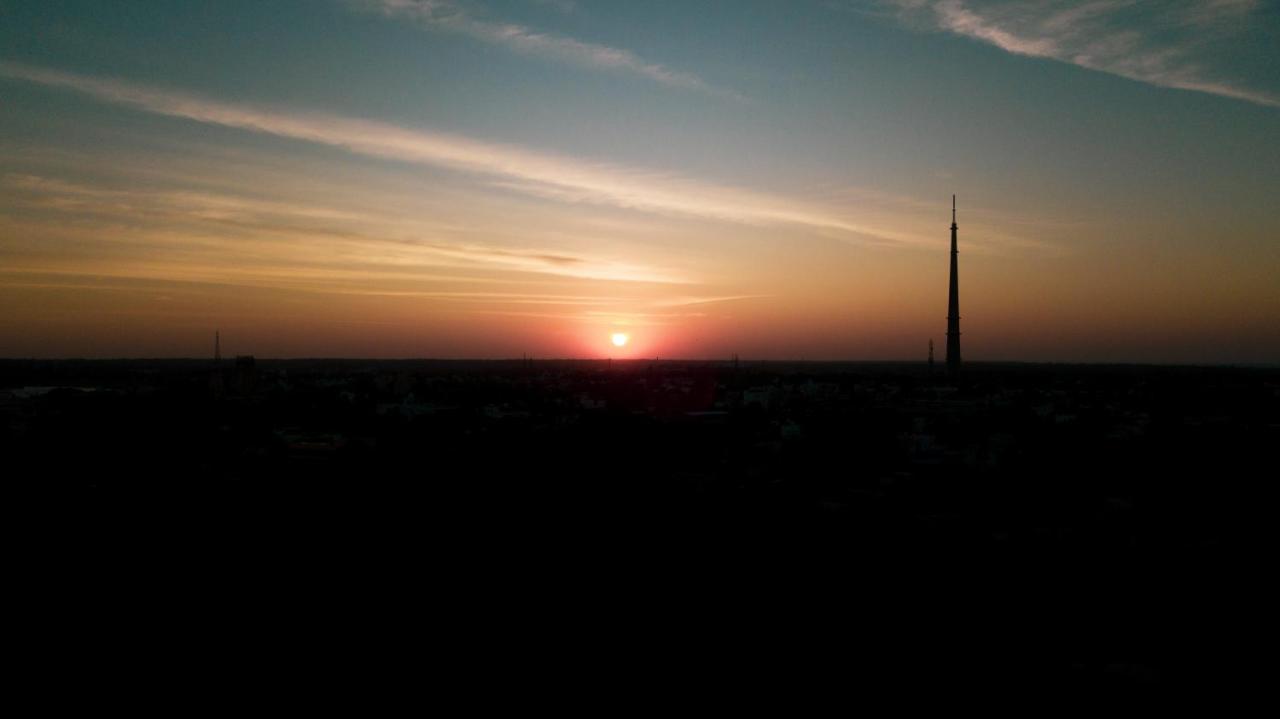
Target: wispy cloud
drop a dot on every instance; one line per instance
(954, 16)
(689, 301)
(130, 234)
(448, 16)
(1161, 44)
(535, 173)
(199, 231)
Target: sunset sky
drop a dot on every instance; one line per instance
(478, 178)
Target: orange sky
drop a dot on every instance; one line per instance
(433, 204)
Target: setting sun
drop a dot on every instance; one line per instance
(619, 339)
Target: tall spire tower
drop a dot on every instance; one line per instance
(953, 305)
(215, 379)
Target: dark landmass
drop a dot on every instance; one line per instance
(1055, 526)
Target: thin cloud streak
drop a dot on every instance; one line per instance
(955, 17)
(447, 16)
(539, 174)
(690, 301)
(182, 221)
(1105, 35)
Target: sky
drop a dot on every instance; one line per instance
(489, 179)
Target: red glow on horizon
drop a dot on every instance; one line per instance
(615, 343)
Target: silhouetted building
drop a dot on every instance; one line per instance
(246, 375)
(953, 305)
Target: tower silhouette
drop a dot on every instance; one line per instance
(953, 304)
(215, 380)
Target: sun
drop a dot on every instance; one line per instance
(619, 339)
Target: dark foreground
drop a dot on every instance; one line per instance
(552, 526)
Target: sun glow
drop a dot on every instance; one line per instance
(619, 339)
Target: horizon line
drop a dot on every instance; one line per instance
(730, 359)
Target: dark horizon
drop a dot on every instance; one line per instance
(762, 493)
(640, 360)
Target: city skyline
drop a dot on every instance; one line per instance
(449, 179)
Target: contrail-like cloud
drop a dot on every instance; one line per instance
(535, 173)
(191, 219)
(447, 16)
(1160, 44)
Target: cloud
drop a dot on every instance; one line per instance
(447, 16)
(1164, 44)
(530, 172)
(130, 234)
(955, 17)
(200, 230)
(689, 301)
